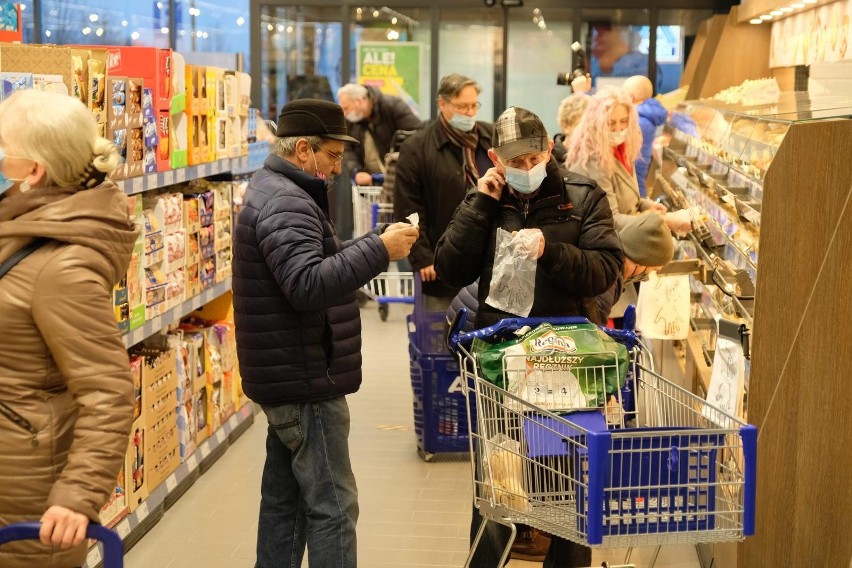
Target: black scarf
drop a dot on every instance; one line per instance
(467, 141)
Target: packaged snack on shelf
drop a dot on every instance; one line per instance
(207, 241)
(175, 250)
(223, 265)
(222, 234)
(191, 215)
(208, 272)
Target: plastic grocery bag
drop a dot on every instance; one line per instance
(561, 367)
(503, 467)
(662, 310)
(512, 287)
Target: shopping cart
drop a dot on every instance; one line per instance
(113, 548)
(672, 470)
(392, 286)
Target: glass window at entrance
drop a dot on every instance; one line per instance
(301, 54)
(675, 36)
(472, 44)
(106, 22)
(617, 43)
(539, 48)
(218, 29)
(390, 49)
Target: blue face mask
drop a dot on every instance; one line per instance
(463, 122)
(5, 183)
(526, 181)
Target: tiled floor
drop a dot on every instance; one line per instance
(412, 513)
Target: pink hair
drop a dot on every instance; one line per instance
(590, 140)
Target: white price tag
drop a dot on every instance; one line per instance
(233, 421)
(205, 450)
(123, 529)
(220, 435)
(171, 483)
(151, 181)
(94, 557)
(192, 462)
(180, 175)
(138, 184)
(142, 511)
(202, 170)
(169, 177)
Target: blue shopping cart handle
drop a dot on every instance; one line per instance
(502, 330)
(113, 547)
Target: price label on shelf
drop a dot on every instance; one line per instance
(171, 483)
(94, 557)
(180, 175)
(169, 177)
(220, 435)
(202, 170)
(138, 184)
(233, 421)
(205, 450)
(123, 529)
(192, 462)
(142, 511)
(151, 181)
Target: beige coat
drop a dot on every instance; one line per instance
(622, 190)
(63, 367)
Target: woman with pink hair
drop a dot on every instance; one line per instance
(605, 146)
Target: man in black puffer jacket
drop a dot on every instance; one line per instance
(579, 257)
(299, 335)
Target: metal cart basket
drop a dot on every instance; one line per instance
(673, 470)
(367, 212)
(113, 555)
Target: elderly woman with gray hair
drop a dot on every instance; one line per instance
(66, 400)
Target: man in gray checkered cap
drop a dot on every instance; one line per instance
(579, 256)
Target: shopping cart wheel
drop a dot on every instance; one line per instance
(425, 456)
(383, 312)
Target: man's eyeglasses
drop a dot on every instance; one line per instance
(337, 159)
(465, 108)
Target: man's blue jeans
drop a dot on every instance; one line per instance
(308, 492)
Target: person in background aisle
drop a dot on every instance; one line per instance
(579, 257)
(372, 118)
(604, 147)
(66, 392)
(437, 167)
(298, 331)
(652, 115)
(570, 112)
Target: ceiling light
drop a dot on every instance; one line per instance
(124, 23)
(289, 29)
(280, 27)
(93, 17)
(99, 32)
(134, 36)
(270, 27)
(241, 21)
(47, 33)
(786, 9)
(164, 30)
(375, 13)
(755, 21)
(766, 17)
(359, 11)
(159, 5)
(87, 30)
(777, 13)
(394, 20)
(797, 5)
(809, 1)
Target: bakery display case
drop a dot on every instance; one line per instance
(768, 188)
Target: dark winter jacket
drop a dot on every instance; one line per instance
(651, 115)
(389, 115)
(431, 182)
(296, 314)
(582, 254)
(560, 150)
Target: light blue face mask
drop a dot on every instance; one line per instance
(5, 183)
(524, 181)
(463, 122)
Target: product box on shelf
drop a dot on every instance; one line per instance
(122, 308)
(89, 82)
(207, 241)
(172, 211)
(176, 288)
(222, 199)
(207, 272)
(191, 214)
(135, 471)
(12, 29)
(215, 111)
(163, 454)
(116, 508)
(193, 248)
(46, 60)
(175, 250)
(136, 371)
(222, 234)
(192, 273)
(149, 131)
(199, 407)
(223, 265)
(155, 292)
(179, 129)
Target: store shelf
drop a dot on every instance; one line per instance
(137, 523)
(153, 326)
(236, 166)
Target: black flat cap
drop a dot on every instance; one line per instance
(312, 117)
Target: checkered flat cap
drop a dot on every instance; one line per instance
(518, 131)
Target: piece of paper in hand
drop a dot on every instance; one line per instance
(414, 219)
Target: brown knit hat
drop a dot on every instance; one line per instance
(646, 240)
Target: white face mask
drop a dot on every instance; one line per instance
(462, 122)
(526, 181)
(354, 116)
(618, 138)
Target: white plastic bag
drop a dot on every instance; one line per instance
(662, 311)
(512, 287)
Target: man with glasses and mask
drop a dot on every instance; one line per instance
(298, 332)
(372, 117)
(579, 257)
(437, 167)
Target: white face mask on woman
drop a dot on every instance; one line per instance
(526, 181)
(618, 138)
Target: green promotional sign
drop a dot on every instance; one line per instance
(392, 67)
